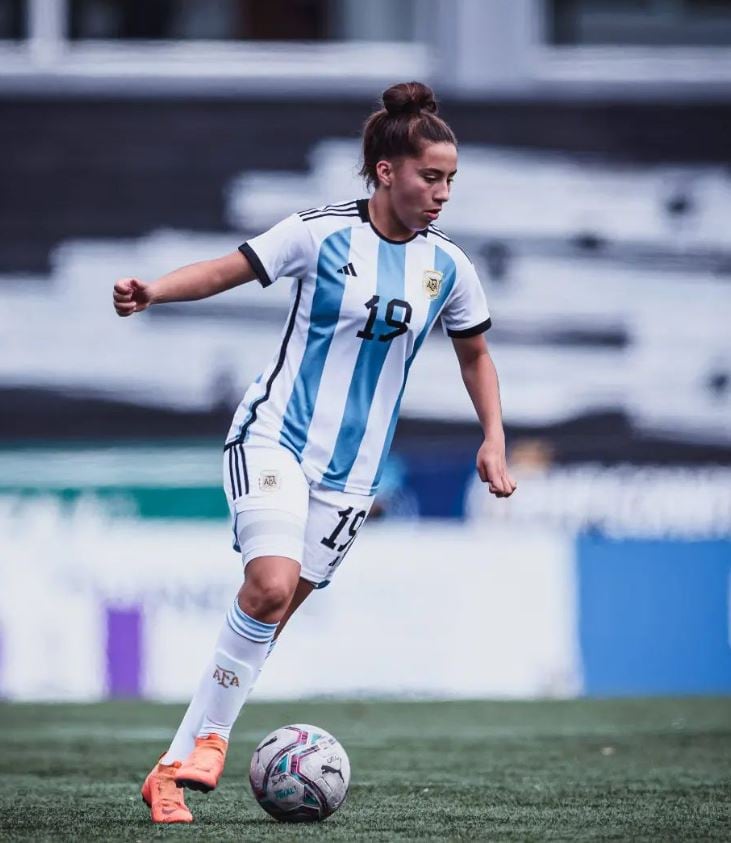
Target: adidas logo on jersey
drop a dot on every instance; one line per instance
(348, 269)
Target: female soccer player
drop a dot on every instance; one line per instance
(307, 446)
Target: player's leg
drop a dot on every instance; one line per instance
(244, 641)
(268, 496)
(241, 648)
(268, 583)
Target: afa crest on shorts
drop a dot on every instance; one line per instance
(432, 281)
(269, 481)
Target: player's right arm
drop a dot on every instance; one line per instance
(189, 283)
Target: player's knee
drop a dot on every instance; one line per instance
(267, 600)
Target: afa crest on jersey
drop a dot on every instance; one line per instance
(432, 281)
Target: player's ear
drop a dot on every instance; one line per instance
(384, 171)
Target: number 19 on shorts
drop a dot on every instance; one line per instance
(353, 524)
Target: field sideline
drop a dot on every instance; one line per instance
(554, 770)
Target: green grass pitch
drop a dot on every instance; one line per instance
(575, 770)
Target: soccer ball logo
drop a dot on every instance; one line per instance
(299, 773)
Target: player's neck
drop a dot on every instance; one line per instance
(384, 220)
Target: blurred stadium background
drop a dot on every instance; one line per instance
(594, 195)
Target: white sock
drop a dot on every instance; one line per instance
(272, 644)
(184, 740)
(240, 652)
(242, 647)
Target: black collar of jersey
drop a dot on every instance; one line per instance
(362, 206)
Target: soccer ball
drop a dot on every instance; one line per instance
(299, 773)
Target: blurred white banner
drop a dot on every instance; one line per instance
(92, 605)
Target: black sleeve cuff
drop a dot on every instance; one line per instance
(258, 267)
(471, 332)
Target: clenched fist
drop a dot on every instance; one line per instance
(131, 296)
(493, 469)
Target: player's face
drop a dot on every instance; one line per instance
(420, 186)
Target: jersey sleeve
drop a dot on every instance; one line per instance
(465, 313)
(286, 249)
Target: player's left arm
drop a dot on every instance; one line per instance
(480, 379)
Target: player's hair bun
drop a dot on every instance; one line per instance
(409, 98)
(407, 121)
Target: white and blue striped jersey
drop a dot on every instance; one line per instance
(361, 307)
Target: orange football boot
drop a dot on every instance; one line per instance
(202, 769)
(162, 796)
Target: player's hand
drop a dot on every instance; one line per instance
(493, 469)
(131, 296)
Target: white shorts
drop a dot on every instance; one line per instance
(276, 511)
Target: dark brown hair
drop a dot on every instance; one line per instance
(406, 122)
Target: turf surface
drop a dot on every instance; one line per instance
(578, 770)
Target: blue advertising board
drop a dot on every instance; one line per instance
(654, 616)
